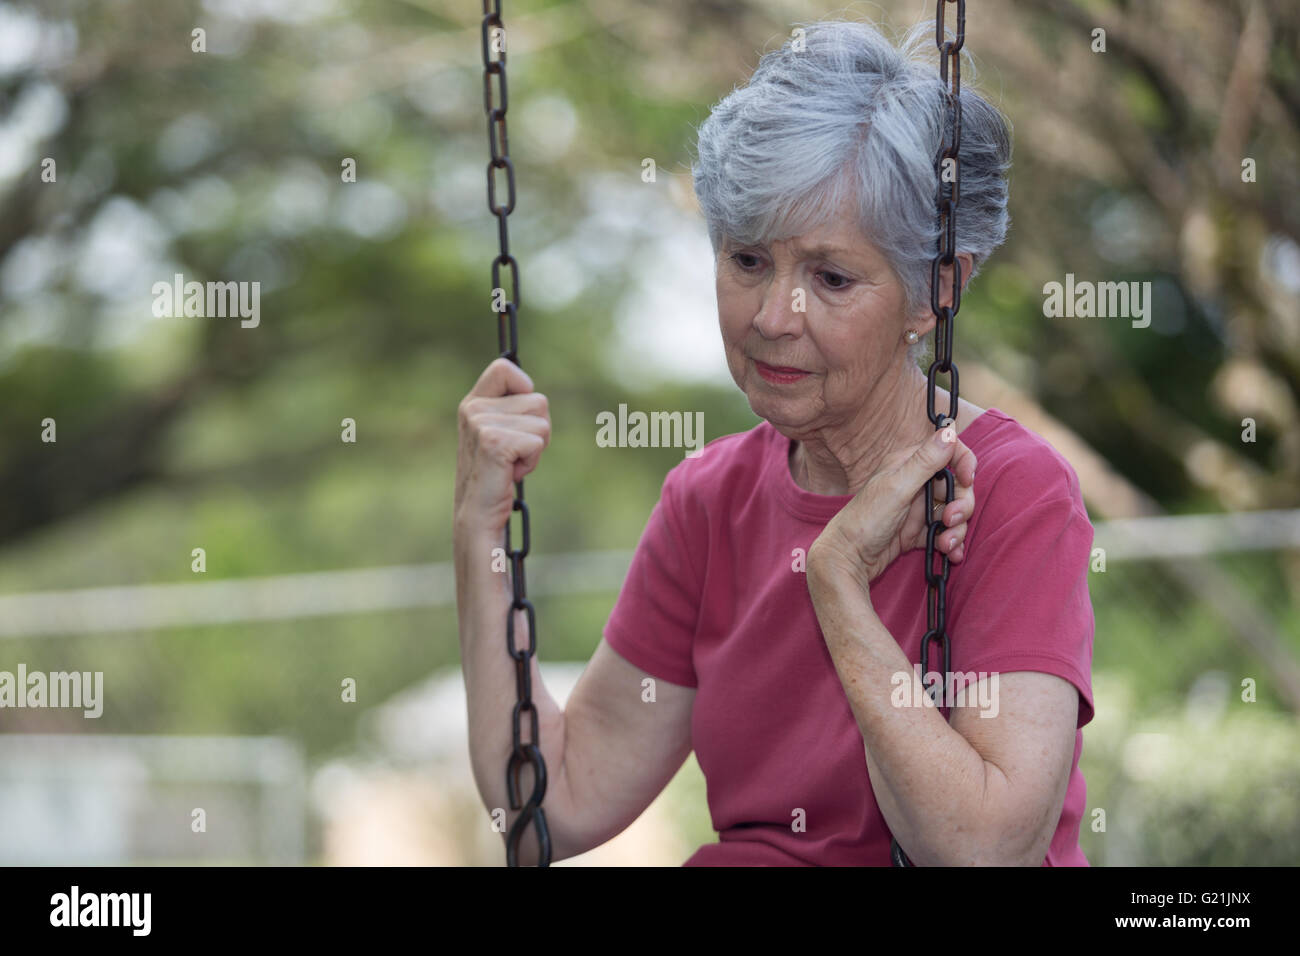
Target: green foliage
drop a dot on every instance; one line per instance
(178, 433)
(1186, 790)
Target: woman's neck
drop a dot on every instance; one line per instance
(839, 460)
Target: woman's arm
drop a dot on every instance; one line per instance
(482, 599)
(610, 752)
(981, 791)
(622, 745)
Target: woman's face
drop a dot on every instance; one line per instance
(825, 303)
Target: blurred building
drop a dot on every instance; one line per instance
(101, 799)
(408, 796)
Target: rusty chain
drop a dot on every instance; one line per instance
(937, 581)
(494, 64)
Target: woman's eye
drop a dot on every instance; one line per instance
(748, 262)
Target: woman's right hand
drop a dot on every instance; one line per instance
(503, 427)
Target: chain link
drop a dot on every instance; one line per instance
(937, 580)
(525, 750)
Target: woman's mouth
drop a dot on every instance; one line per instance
(779, 374)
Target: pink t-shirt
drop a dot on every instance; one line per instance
(711, 601)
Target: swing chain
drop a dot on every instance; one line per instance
(493, 37)
(937, 581)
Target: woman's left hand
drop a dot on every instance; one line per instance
(887, 517)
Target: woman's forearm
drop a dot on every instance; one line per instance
(483, 596)
(931, 785)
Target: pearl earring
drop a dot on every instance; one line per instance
(911, 336)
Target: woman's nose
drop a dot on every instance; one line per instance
(783, 308)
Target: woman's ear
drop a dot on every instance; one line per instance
(967, 264)
(945, 279)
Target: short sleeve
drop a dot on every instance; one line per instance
(1020, 601)
(653, 621)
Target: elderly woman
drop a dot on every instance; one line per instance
(775, 604)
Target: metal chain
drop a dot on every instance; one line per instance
(493, 35)
(937, 581)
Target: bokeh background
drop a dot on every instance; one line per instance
(329, 561)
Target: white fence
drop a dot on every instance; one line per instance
(320, 594)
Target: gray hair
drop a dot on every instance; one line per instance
(850, 114)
